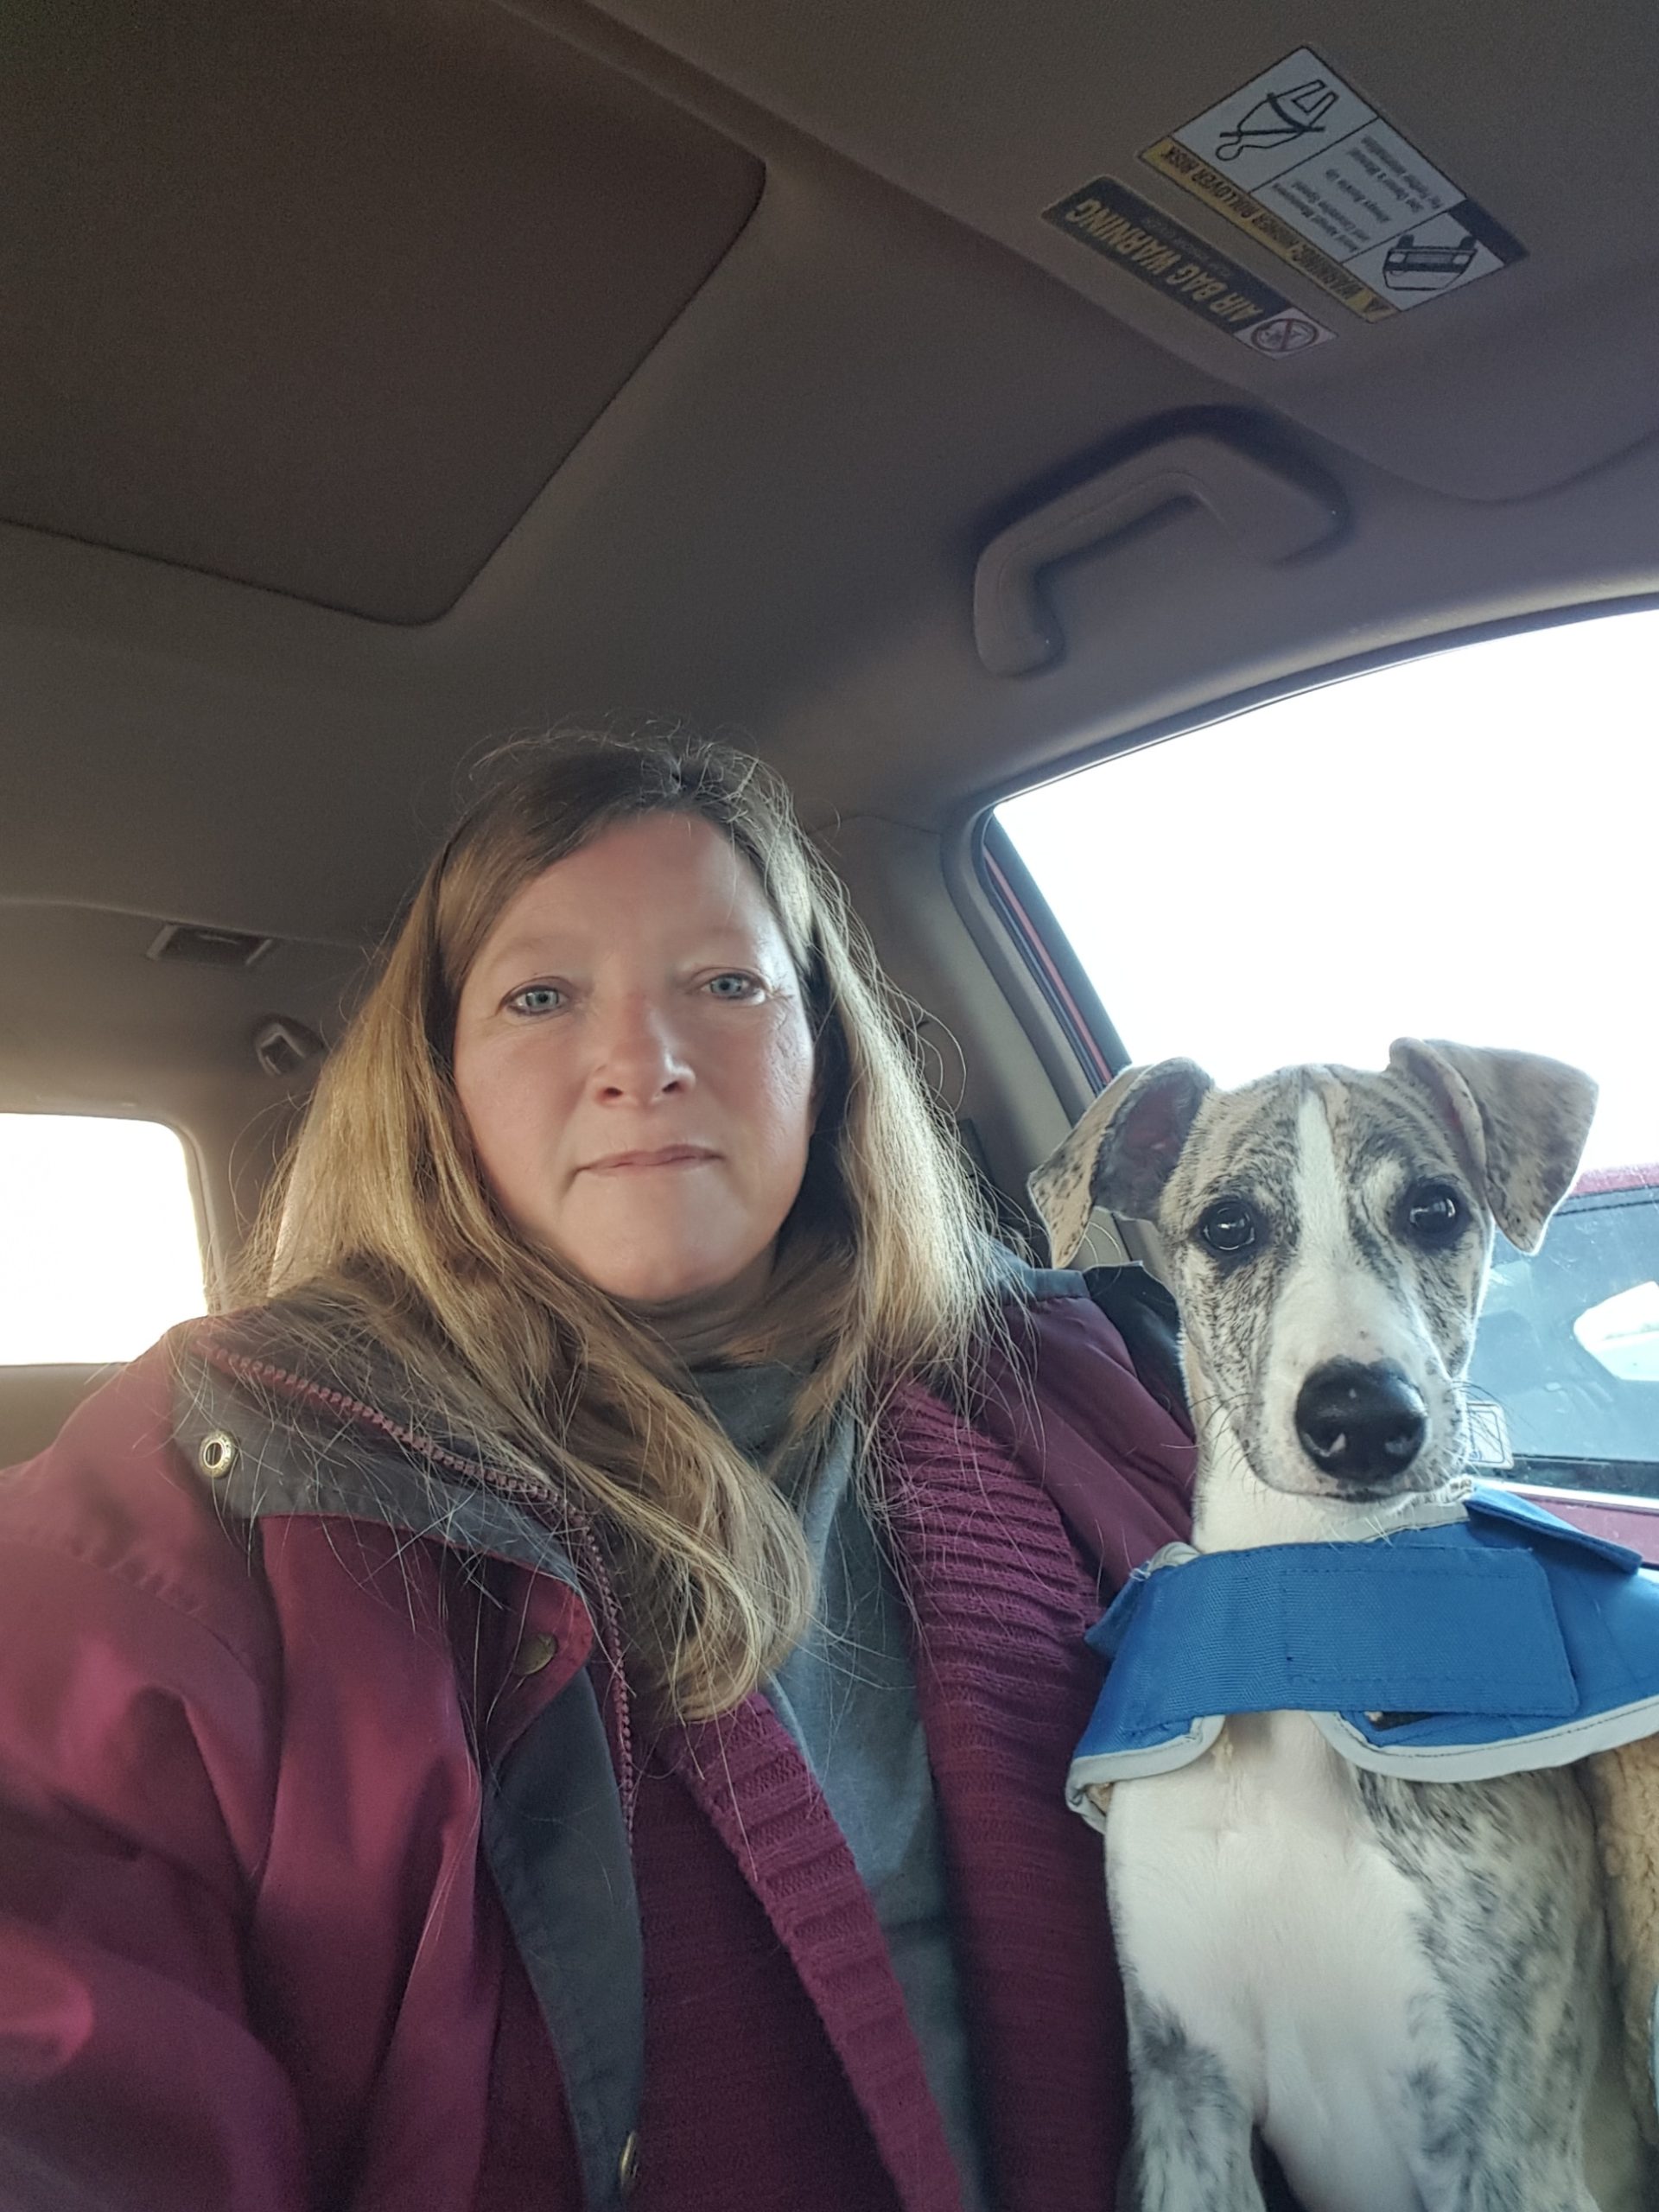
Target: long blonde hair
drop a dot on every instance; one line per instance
(385, 1219)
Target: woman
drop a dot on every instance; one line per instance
(568, 1697)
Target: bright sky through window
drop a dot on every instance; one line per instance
(100, 1235)
(1464, 846)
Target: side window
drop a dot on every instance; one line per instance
(102, 1248)
(1460, 846)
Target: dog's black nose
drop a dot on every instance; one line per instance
(1360, 1424)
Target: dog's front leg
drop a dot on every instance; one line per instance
(1191, 2147)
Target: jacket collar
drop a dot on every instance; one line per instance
(276, 1440)
(348, 1443)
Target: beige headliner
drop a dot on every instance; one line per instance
(771, 527)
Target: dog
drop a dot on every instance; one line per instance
(1401, 1987)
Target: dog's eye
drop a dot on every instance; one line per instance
(1229, 1226)
(1434, 1212)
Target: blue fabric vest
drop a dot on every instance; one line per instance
(1497, 1641)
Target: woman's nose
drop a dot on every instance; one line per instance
(640, 1055)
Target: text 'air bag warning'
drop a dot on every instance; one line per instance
(1299, 160)
(1122, 228)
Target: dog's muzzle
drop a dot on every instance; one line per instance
(1358, 1423)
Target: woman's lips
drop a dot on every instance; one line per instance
(627, 1163)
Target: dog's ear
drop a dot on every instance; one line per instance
(1121, 1154)
(1521, 1120)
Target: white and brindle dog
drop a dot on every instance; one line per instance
(1401, 1987)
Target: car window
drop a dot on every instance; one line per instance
(1461, 846)
(101, 1238)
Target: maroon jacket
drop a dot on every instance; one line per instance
(334, 1879)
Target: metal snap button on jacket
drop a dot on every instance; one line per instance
(534, 1652)
(216, 1454)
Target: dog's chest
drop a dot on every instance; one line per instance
(1258, 1908)
(1249, 1877)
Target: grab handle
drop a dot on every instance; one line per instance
(1271, 513)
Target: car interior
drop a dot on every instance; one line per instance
(932, 399)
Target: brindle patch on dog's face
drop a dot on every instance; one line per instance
(1323, 1166)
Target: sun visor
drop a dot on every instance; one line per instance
(318, 297)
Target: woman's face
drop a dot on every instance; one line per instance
(635, 1065)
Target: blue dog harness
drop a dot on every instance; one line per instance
(1497, 1641)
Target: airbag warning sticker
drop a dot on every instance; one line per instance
(1310, 169)
(1127, 229)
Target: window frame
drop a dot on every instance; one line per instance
(990, 883)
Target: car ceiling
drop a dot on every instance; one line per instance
(381, 380)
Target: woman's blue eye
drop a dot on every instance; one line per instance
(536, 998)
(732, 986)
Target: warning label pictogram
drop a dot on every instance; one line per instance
(1298, 160)
(1290, 333)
